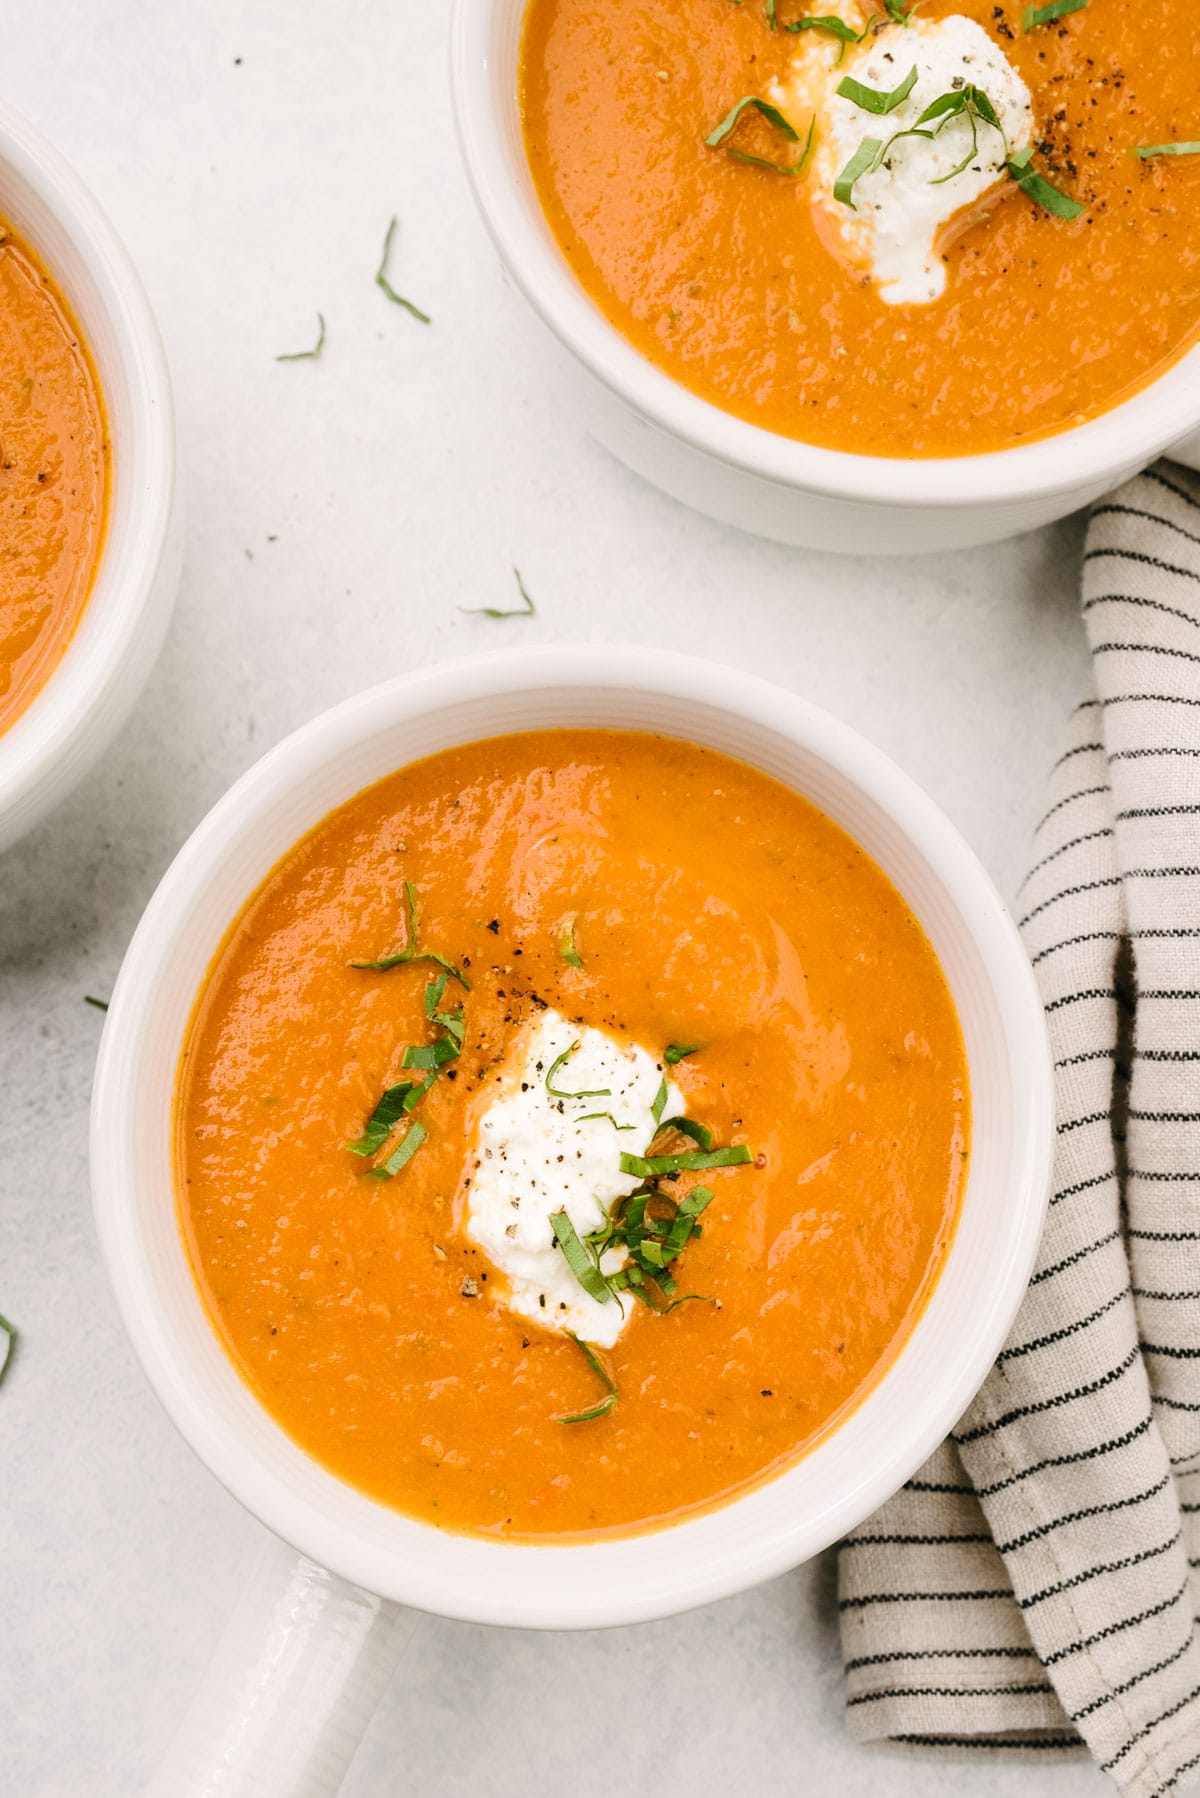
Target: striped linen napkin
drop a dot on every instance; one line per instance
(1029, 1592)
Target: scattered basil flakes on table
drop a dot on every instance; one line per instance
(526, 609)
(8, 1343)
(382, 282)
(307, 355)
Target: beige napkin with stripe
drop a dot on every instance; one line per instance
(1030, 1592)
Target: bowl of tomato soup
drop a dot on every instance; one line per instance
(562, 1101)
(89, 545)
(876, 276)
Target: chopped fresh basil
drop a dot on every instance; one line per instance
(8, 1342)
(399, 958)
(307, 355)
(582, 1260)
(599, 1092)
(969, 99)
(100, 1004)
(899, 11)
(381, 279)
(971, 103)
(598, 1368)
(1033, 16)
(404, 956)
(420, 1089)
(413, 1137)
(1041, 191)
(716, 139)
(430, 1055)
(1145, 151)
(525, 610)
(450, 1021)
(659, 1102)
(588, 1116)
(676, 1052)
(684, 1222)
(833, 26)
(566, 945)
(699, 1133)
(865, 160)
(390, 1109)
(873, 99)
(968, 102)
(650, 1167)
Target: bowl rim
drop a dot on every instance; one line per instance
(78, 700)
(584, 1597)
(1162, 413)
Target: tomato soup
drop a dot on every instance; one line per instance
(54, 476)
(718, 940)
(1065, 276)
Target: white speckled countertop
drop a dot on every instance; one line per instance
(251, 153)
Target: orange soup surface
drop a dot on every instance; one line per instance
(726, 275)
(54, 476)
(706, 907)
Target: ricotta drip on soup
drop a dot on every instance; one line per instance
(536, 1153)
(902, 206)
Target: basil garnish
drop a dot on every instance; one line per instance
(386, 1115)
(566, 945)
(717, 139)
(411, 1141)
(588, 1116)
(873, 99)
(598, 1368)
(651, 1167)
(525, 610)
(865, 160)
(381, 280)
(307, 355)
(1033, 16)
(598, 1092)
(676, 1052)
(1040, 191)
(430, 1055)
(1145, 151)
(584, 1262)
(411, 952)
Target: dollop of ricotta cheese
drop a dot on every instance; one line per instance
(902, 206)
(535, 1154)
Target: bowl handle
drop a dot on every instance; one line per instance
(1187, 451)
(290, 1690)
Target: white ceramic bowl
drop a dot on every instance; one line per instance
(936, 1374)
(59, 735)
(796, 492)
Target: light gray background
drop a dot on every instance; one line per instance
(340, 512)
